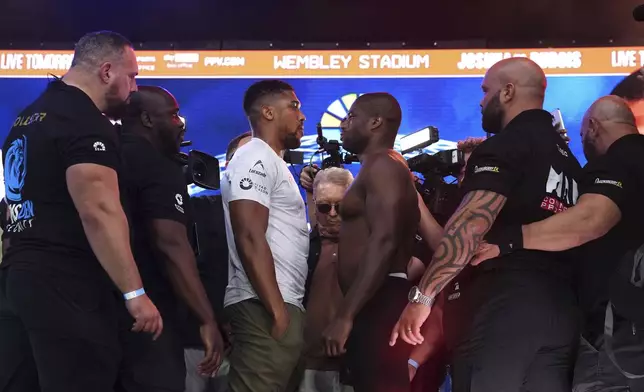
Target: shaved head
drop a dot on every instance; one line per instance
(608, 119)
(373, 117)
(511, 86)
(154, 113)
(611, 108)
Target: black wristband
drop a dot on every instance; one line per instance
(511, 240)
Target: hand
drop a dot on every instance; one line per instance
(335, 337)
(214, 348)
(412, 372)
(484, 252)
(564, 135)
(306, 177)
(409, 323)
(280, 324)
(146, 316)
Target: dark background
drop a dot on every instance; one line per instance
(206, 23)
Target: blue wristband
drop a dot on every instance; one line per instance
(134, 294)
(413, 363)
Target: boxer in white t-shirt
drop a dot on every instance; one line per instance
(268, 242)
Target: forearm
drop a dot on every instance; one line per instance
(463, 234)
(257, 259)
(108, 235)
(310, 209)
(183, 274)
(558, 233)
(372, 272)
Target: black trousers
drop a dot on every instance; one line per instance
(523, 336)
(62, 329)
(373, 365)
(152, 365)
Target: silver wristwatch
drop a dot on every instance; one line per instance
(417, 297)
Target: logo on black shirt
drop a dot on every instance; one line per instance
(561, 192)
(99, 146)
(491, 169)
(245, 184)
(609, 182)
(21, 212)
(179, 199)
(258, 168)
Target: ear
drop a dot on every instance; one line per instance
(376, 122)
(146, 120)
(507, 93)
(104, 72)
(268, 112)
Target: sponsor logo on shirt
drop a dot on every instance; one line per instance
(561, 192)
(609, 182)
(21, 211)
(179, 202)
(99, 146)
(246, 184)
(491, 169)
(258, 169)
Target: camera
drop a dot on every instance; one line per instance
(442, 198)
(337, 157)
(199, 168)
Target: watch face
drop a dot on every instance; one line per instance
(414, 294)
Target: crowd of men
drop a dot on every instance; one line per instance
(534, 284)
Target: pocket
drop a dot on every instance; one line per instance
(294, 334)
(80, 296)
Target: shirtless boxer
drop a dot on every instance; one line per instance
(379, 221)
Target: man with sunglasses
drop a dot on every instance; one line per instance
(323, 295)
(155, 195)
(379, 222)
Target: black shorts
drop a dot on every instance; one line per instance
(152, 365)
(523, 335)
(61, 328)
(373, 365)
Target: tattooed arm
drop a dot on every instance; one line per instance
(462, 235)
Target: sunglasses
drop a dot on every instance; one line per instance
(325, 208)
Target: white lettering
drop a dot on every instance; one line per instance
(623, 58)
(313, 62)
(557, 60)
(394, 61)
(39, 61)
(11, 61)
(225, 61)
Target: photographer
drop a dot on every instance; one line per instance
(611, 354)
(156, 197)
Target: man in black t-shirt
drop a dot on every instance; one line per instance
(157, 201)
(67, 229)
(523, 327)
(611, 352)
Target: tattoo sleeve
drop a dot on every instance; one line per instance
(461, 238)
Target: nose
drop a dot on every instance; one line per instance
(302, 117)
(133, 86)
(333, 212)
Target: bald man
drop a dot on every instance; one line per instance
(379, 221)
(155, 195)
(610, 288)
(522, 333)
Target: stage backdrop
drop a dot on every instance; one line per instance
(434, 87)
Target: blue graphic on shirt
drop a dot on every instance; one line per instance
(15, 169)
(21, 212)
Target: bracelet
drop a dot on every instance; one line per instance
(134, 294)
(413, 363)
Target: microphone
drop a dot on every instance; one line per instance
(638, 13)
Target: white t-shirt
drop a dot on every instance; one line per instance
(257, 173)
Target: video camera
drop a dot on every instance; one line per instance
(337, 157)
(442, 198)
(199, 168)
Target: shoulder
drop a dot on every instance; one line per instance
(254, 155)
(386, 167)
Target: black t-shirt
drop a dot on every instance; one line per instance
(531, 165)
(154, 187)
(618, 175)
(60, 129)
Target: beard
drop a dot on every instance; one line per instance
(492, 116)
(115, 106)
(590, 151)
(292, 141)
